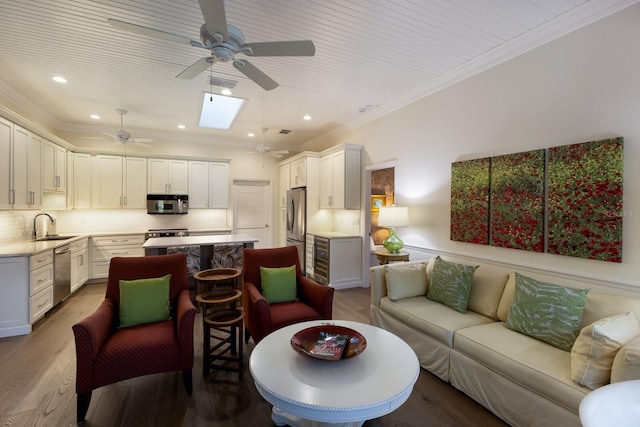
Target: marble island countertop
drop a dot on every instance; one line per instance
(164, 242)
(334, 234)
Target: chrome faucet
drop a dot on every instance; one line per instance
(35, 232)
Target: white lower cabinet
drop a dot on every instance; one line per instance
(40, 285)
(104, 248)
(14, 304)
(345, 260)
(309, 255)
(79, 263)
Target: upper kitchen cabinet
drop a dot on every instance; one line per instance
(81, 181)
(120, 182)
(208, 184)
(167, 176)
(20, 163)
(298, 172)
(54, 167)
(340, 177)
(284, 182)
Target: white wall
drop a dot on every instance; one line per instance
(581, 87)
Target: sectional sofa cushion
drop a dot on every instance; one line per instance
(431, 318)
(533, 364)
(450, 284)
(626, 364)
(548, 312)
(406, 281)
(593, 352)
(600, 305)
(486, 289)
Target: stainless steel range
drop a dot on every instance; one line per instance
(166, 232)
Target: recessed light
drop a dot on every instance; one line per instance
(226, 91)
(95, 117)
(182, 127)
(59, 79)
(251, 134)
(306, 117)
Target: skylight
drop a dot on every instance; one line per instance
(218, 111)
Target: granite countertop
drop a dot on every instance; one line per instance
(30, 247)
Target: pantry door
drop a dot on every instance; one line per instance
(252, 208)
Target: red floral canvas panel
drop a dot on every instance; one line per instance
(517, 201)
(470, 201)
(585, 200)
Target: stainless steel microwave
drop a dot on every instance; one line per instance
(167, 204)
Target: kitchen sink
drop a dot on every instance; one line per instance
(54, 237)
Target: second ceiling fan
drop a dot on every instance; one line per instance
(225, 41)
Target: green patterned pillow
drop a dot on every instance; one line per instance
(547, 312)
(451, 284)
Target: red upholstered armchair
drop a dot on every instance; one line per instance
(315, 301)
(106, 354)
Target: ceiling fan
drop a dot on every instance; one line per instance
(264, 150)
(124, 137)
(225, 41)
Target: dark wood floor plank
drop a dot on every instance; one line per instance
(37, 383)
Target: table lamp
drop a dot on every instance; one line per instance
(393, 217)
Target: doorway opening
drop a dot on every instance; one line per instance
(252, 206)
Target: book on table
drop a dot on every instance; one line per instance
(329, 346)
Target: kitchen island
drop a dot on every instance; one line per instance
(159, 245)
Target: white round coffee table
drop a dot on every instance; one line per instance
(347, 392)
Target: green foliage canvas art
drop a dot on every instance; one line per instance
(470, 201)
(517, 201)
(585, 200)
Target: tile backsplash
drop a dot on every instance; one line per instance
(18, 225)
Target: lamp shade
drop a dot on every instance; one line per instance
(393, 216)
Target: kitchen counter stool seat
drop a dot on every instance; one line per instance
(222, 320)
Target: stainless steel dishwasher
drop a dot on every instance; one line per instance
(62, 273)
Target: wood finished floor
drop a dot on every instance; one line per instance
(37, 383)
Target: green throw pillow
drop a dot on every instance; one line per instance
(144, 301)
(451, 284)
(547, 312)
(278, 284)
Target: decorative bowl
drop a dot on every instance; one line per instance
(304, 341)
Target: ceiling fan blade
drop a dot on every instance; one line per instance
(215, 17)
(196, 68)
(250, 70)
(139, 29)
(141, 142)
(285, 48)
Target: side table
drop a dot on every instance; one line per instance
(385, 257)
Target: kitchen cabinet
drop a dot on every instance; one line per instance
(166, 176)
(284, 184)
(79, 263)
(40, 285)
(208, 185)
(309, 243)
(14, 304)
(81, 181)
(6, 141)
(70, 180)
(340, 178)
(298, 173)
(20, 163)
(345, 262)
(104, 248)
(54, 169)
(120, 182)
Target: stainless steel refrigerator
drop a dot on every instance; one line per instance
(297, 221)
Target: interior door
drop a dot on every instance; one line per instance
(252, 208)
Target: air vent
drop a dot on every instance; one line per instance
(285, 131)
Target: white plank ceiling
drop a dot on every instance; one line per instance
(376, 53)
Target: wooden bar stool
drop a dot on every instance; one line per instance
(222, 320)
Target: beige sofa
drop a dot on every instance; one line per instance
(522, 380)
